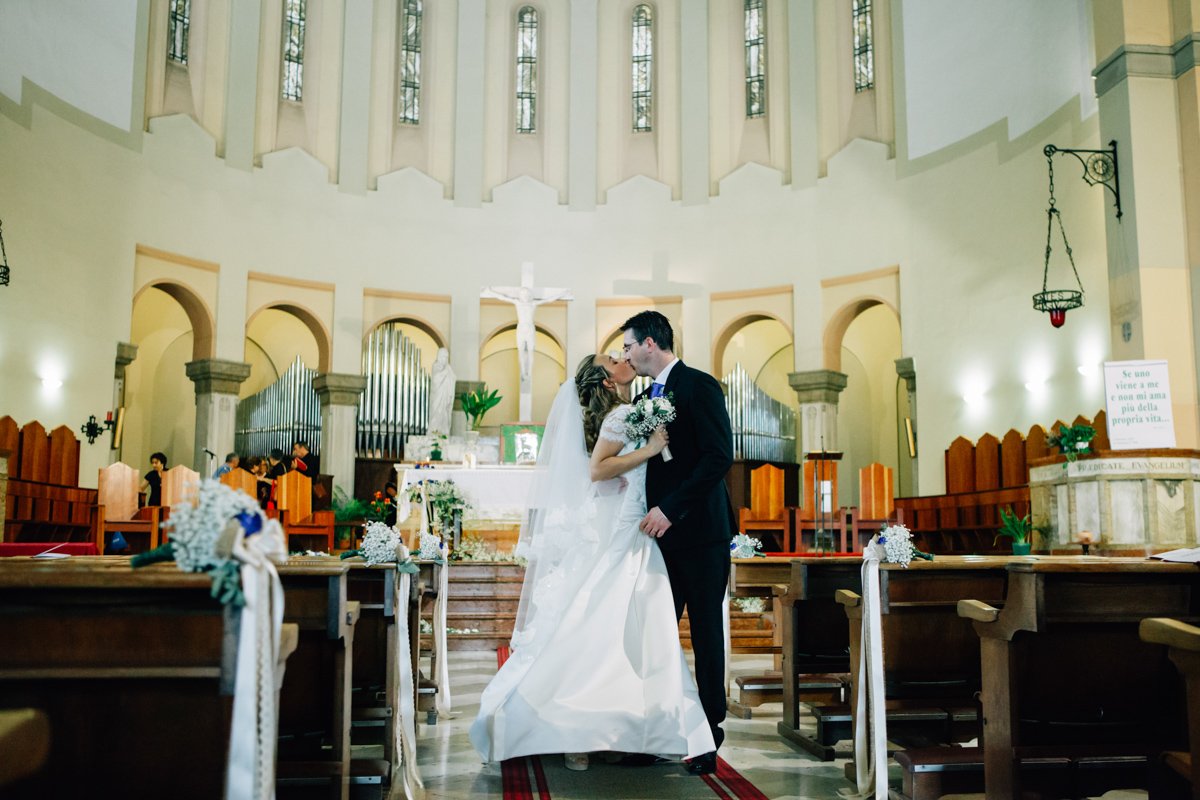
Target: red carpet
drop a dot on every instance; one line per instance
(519, 775)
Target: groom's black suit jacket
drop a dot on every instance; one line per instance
(690, 488)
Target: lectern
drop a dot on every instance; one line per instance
(821, 496)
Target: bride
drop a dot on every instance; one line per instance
(596, 662)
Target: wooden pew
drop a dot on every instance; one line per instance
(815, 642)
(1183, 643)
(931, 655)
(305, 529)
(1065, 674)
(43, 499)
(241, 480)
(963, 523)
(133, 670)
(314, 704)
(117, 493)
(24, 741)
(759, 577)
(179, 484)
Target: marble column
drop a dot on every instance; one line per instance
(339, 395)
(907, 483)
(1147, 91)
(217, 384)
(817, 392)
(126, 353)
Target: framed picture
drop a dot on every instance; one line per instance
(519, 442)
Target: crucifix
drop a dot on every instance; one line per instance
(526, 298)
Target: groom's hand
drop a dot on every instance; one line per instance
(655, 523)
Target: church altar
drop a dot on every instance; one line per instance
(1129, 500)
(497, 493)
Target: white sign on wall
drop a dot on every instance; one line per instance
(1137, 396)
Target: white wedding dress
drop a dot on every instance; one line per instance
(600, 668)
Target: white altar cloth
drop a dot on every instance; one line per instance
(496, 493)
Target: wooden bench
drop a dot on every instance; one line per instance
(963, 523)
(1183, 646)
(815, 641)
(133, 670)
(315, 702)
(1065, 673)
(46, 512)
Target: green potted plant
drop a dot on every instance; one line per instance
(1072, 440)
(477, 403)
(348, 514)
(1016, 528)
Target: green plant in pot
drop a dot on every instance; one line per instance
(1019, 529)
(348, 514)
(1072, 440)
(477, 403)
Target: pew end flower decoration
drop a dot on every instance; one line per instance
(743, 546)
(894, 545)
(209, 533)
(648, 415)
(382, 544)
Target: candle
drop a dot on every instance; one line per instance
(108, 417)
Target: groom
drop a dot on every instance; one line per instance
(690, 513)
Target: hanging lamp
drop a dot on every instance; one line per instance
(1099, 167)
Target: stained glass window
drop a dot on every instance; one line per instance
(293, 49)
(864, 47)
(643, 69)
(178, 21)
(410, 63)
(527, 55)
(756, 58)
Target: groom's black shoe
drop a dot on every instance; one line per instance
(640, 760)
(703, 765)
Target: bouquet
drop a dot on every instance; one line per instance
(204, 537)
(896, 543)
(382, 545)
(648, 415)
(743, 546)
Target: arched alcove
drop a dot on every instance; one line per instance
(866, 334)
(499, 369)
(316, 329)
(170, 326)
(762, 345)
(424, 335)
(275, 337)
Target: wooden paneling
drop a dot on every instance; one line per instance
(987, 463)
(64, 457)
(960, 466)
(35, 453)
(1014, 470)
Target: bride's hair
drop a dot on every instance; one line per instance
(596, 398)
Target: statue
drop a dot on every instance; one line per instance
(526, 298)
(441, 393)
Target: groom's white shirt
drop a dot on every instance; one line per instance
(662, 376)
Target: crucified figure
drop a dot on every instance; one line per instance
(526, 298)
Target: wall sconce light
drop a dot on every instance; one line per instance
(93, 428)
(3, 259)
(1099, 167)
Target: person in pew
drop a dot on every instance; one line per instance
(390, 493)
(596, 663)
(231, 463)
(153, 479)
(303, 460)
(257, 467)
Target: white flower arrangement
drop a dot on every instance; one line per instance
(894, 545)
(432, 547)
(743, 546)
(382, 544)
(648, 415)
(204, 531)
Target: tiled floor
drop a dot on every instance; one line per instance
(451, 768)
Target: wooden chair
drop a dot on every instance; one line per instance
(876, 505)
(767, 510)
(241, 479)
(179, 484)
(1183, 646)
(117, 495)
(293, 494)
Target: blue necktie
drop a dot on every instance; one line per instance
(656, 389)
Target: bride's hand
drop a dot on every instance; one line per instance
(657, 441)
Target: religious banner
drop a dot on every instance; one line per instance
(1137, 397)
